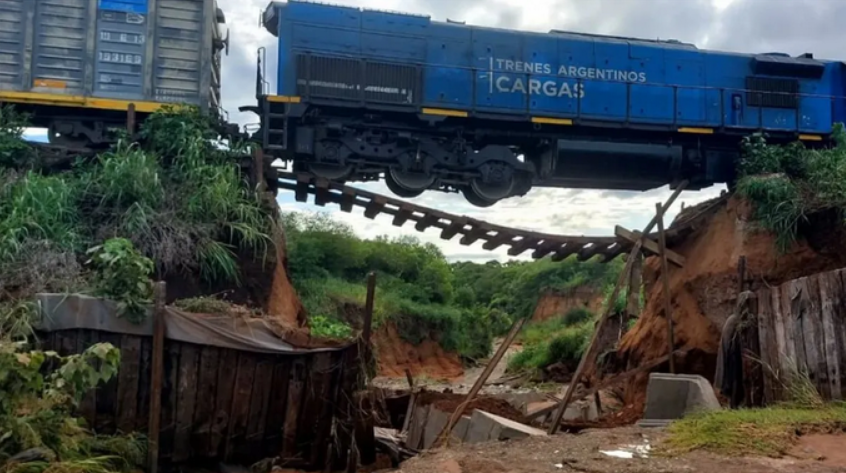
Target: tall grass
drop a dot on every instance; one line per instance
(786, 184)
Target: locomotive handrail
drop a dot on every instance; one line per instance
(472, 230)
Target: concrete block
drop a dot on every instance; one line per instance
(436, 421)
(459, 432)
(485, 426)
(670, 397)
(480, 427)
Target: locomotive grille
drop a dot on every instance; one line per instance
(770, 92)
(342, 78)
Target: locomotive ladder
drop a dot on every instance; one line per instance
(493, 236)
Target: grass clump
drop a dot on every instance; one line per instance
(769, 431)
(766, 431)
(787, 184)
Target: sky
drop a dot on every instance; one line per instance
(749, 26)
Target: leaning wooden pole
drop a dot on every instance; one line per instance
(588, 355)
(480, 381)
(665, 280)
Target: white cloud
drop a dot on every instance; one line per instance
(735, 25)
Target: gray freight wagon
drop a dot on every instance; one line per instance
(77, 65)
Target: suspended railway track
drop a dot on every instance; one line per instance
(473, 230)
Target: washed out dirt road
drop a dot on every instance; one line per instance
(584, 453)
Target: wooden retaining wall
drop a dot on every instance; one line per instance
(218, 403)
(803, 323)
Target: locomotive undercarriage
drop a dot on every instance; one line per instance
(412, 164)
(488, 160)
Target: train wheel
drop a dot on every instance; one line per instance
(496, 183)
(66, 141)
(475, 199)
(407, 184)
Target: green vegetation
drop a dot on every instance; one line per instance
(553, 341)
(767, 431)
(461, 305)
(788, 183)
(39, 433)
(175, 202)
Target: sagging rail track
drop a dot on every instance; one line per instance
(473, 230)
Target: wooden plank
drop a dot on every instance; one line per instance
(651, 246)
(813, 336)
(325, 379)
(226, 371)
(295, 400)
(170, 392)
(186, 400)
(145, 373)
(204, 410)
(782, 346)
(831, 296)
(765, 339)
(127, 392)
(793, 312)
(240, 410)
(278, 404)
(88, 403)
(840, 329)
(259, 405)
(107, 394)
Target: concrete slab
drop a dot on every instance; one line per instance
(436, 421)
(521, 401)
(485, 426)
(670, 397)
(417, 427)
(459, 432)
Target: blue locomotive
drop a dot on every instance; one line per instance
(364, 94)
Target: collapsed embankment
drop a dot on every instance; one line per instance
(703, 292)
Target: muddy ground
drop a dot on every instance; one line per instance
(584, 453)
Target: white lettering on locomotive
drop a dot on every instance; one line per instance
(540, 79)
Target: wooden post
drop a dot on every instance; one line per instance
(665, 279)
(741, 274)
(589, 354)
(634, 287)
(156, 377)
(368, 308)
(130, 121)
(480, 381)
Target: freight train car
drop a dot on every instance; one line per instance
(77, 65)
(363, 94)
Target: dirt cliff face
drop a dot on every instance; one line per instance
(283, 302)
(553, 303)
(704, 291)
(428, 359)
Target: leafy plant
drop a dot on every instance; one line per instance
(324, 327)
(36, 412)
(14, 151)
(123, 275)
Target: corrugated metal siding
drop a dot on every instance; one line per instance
(121, 50)
(180, 33)
(58, 59)
(12, 28)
